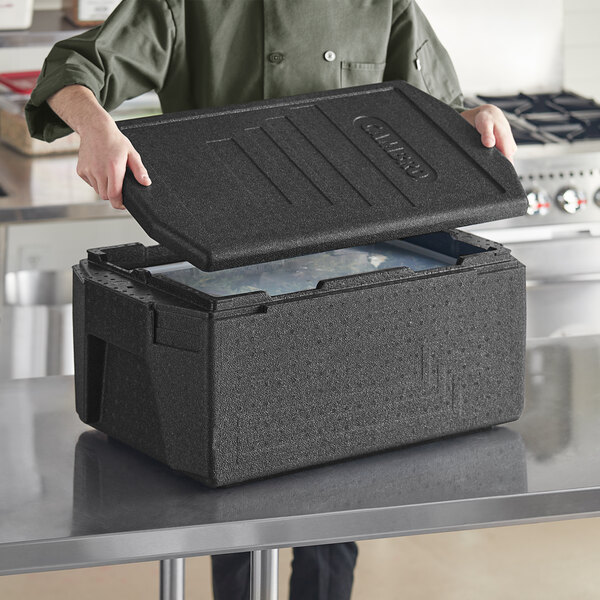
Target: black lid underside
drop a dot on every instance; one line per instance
(278, 178)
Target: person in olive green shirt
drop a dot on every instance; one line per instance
(206, 53)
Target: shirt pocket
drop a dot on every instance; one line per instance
(360, 73)
(437, 80)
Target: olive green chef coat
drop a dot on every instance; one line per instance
(203, 53)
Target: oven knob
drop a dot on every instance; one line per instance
(538, 201)
(597, 196)
(571, 200)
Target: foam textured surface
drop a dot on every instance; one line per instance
(249, 387)
(279, 178)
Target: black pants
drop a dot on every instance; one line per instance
(318, 573)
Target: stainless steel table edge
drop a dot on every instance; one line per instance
(325, 528)
(15, 214)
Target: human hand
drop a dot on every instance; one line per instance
(494, 128)
(104, 154)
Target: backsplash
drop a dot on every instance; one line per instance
(582, 47)
(527, 46)
(502, 47)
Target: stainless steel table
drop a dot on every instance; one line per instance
(71, 497)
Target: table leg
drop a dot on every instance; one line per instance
(172, 579)
(264, 574)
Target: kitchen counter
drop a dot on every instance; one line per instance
(46, 188)
(71, 497)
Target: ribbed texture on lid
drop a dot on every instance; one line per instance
(278, 178)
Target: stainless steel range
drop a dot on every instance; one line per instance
(558, 161)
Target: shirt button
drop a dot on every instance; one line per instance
(329, 56)
(276, 57)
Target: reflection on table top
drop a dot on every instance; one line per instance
(72, 497)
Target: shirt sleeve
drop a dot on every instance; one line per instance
(128, 55)
(416, 55)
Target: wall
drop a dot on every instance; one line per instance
(502, 47)
(582, 47)
(48, 4)
(526, 45)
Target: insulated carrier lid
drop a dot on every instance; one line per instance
(257, 182)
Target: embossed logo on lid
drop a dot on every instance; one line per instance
(396, 148)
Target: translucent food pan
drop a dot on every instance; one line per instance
(304, 272)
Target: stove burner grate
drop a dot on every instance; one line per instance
(555, 117)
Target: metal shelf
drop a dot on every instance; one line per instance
(48, 27)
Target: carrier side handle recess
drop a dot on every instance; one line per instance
(179, 328)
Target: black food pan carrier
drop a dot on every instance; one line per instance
(309, 299)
